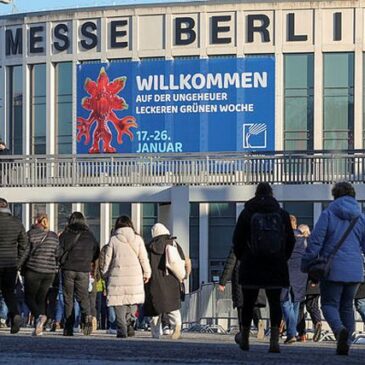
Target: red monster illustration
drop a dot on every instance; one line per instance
(102, 102)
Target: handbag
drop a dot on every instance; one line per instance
(174, 262)
(63, 259)
(320, 267)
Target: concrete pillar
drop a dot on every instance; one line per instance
(317, 210)
(136, 216)
(104, 223)
(51, 210)
(26, 216)
(204, 242)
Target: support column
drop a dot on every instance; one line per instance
(203, 242)
(51, 212)
(136, 215)
(26, 216)
(317, 210)
(104, 223)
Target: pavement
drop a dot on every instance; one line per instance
(193, 348)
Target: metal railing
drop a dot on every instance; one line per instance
(181, 169)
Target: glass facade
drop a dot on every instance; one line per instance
(63, 212)
(298, 101)
(118, 209)
(92, 215)
(338, 101)
(149, 218)
(38, 109)
(64, 107)
(222, 220)
(15, 109)
(302, 210)
(194, 245)
(35, 209)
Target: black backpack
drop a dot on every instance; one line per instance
(267, 235)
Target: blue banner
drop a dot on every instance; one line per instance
(192, 105)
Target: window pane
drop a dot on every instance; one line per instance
(119, 209)
(15, 92)
(92, 215)
(194, 245)
(35, 209)
(298, 101)
(222, 220)
(64, 211)
(302, 210)
(149, 218)
(338, 103)
(38, 107)
(64, 107)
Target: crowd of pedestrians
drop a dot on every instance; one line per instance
(65, 279)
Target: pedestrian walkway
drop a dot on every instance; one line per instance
(194, 348)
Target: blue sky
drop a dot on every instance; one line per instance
(21, 6)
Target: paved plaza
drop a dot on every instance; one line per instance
(193, 348)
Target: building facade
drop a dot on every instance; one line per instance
(318, 48)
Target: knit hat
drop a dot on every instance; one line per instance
(158, 230)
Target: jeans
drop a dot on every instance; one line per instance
(337, 304)
(101, 309)
(112, 318)
(75, 285)
(36, 286)
(273, 296)
(125, 315)
(7, 287)
(290, 312)
(3, 308)
(360, 307)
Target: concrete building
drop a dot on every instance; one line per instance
(318, 50)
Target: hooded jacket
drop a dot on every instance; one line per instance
(347, 264)
(262, 272)
(163, 291)
(126, 263)
(13, 240)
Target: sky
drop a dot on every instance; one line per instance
(22, 6)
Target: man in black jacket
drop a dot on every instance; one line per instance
(263, 241)
(13, 250)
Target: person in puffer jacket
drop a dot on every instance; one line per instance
(40, 269)
(338, 289)
(127, 268)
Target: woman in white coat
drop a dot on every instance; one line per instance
(127, 268)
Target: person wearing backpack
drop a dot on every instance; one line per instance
(339, 236)
(40, 269)
(127, 269)
(163, 291)
(263, 240)
(78, 250)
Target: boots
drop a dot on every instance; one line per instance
(177, 332)
(244, 339)
(274, 340)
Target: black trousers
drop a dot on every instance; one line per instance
(125, 315)
(250, 296)
(36, 286)
(75, 285)
(312, 305)
(7, 287)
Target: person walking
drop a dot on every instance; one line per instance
(40, 269)
(127, 268)
(13, 251)
(295, 294)
(78, 250)
(263, 241)
(163, 291)
(339, 286)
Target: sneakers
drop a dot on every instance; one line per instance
(130, 331)
(342, 345)
(317, 332)
(55, 326)
(260, 330)
(176, 334)
(15, 324)
(40, 321)
(290, 340)
(111, 331)
(94, 324)
(3, 323)
(166, 331)
(88, 326)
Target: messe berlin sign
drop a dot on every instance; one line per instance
(191, 105)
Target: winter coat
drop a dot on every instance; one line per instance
(297, 279)
(83, 253)
(262, 272)
(163, 291)
(361, 291)
(126, 263)
(347, 264)
(231, 272)
(43, 252)
(13, 240)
